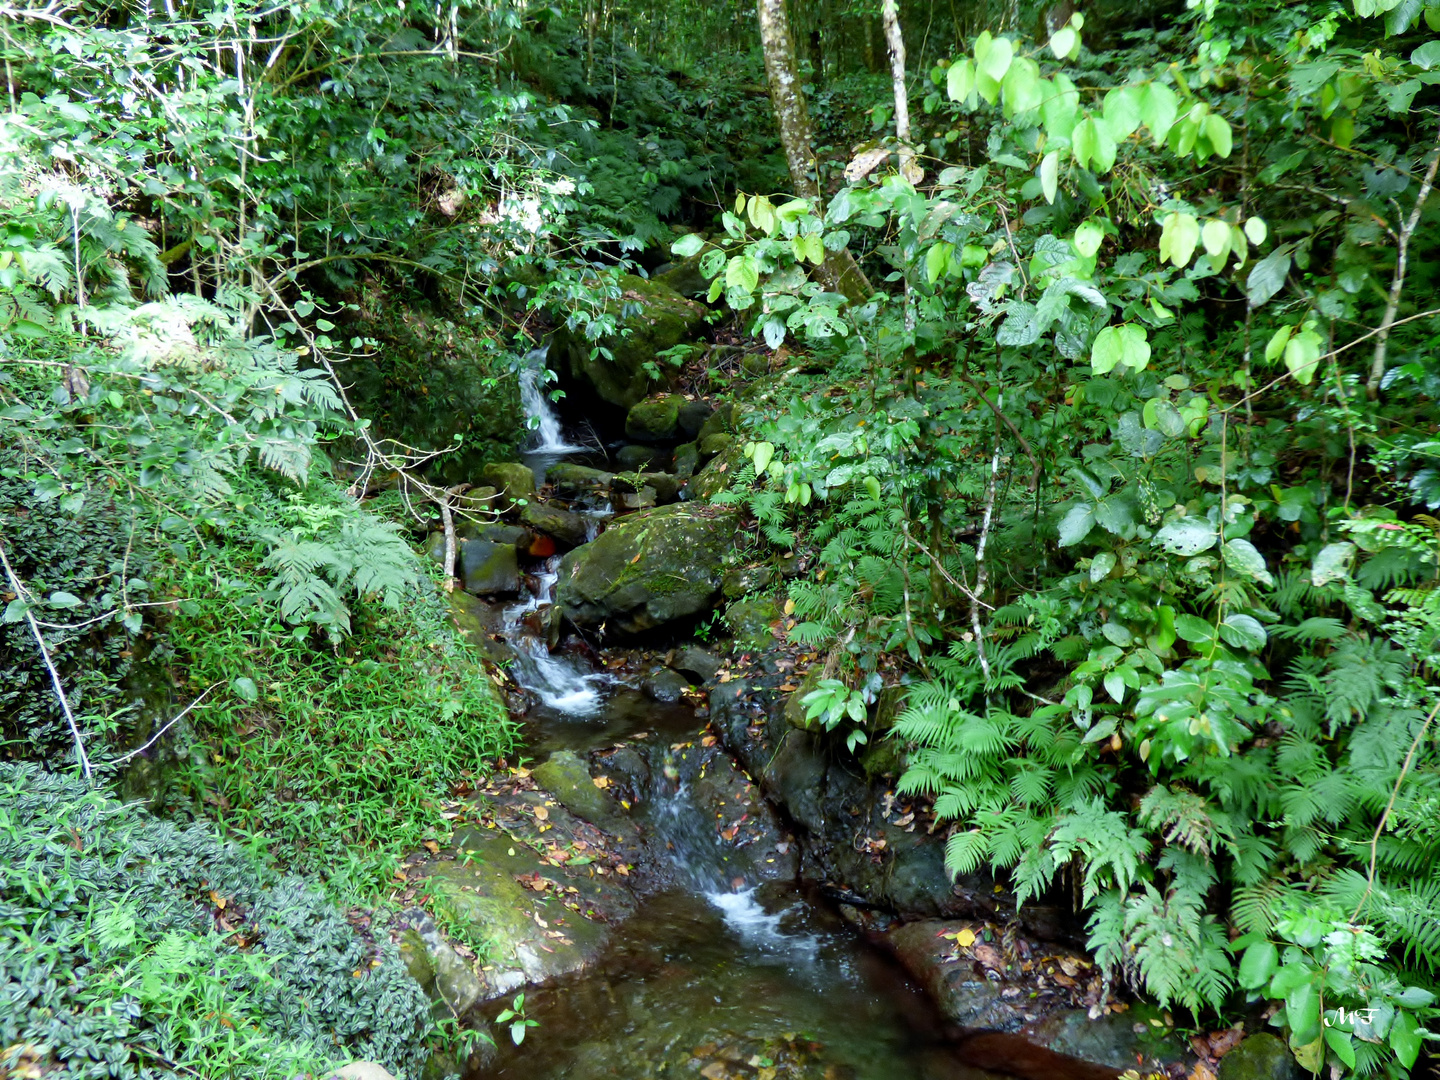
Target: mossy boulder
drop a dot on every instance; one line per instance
(566, 776)
(746, 579)
(664, 319)
(718, 443)
(716, 476)
(684, 276)
(751, 622)
(795, 707)
(487, 568)
(637, 458)
(565, 527)
(569, 479)
(513, 480)
(655, 419)
(720, 422)
(654, 567)
(685, 460)
(693, 415)
(665, 486)
(1259, 1057)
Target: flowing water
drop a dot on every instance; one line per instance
(714, 977)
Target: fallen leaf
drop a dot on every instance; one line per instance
(218, 901)
(541, 814)
(964, 938)
(432, 847)
(602, 782)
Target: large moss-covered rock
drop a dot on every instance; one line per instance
(564, 526)
(664, 319)
(751, 622)
(511, 479)
(655, 419)
(570, 479)
(652, 568)
(566, 776)
(716, 476)
(488, 568)
(1259, 1057)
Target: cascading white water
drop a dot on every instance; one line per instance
(546, 436)
(558, 682)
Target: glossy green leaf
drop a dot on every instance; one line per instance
(960, 79)
(687, 245)
(1088, 237)
(1179, 233)
(1050, 175)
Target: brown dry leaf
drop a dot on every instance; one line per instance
(541, 814)
(865, 162)
(715, 1071)
(623, 870)
(432, 847)
(540, 922)
(1202, 1071)
(708, 740)
(602, 782)
(990, 956)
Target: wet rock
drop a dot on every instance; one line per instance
(663, 319)
(698, 664)
(746, 579)
(722, 421)
(693, 415)
(562, 525)
(685, 460)
(795, 707)
(477, 500)
(717, 474)
(666, 686)
(1110, 1040)
(711, 445)
(685, 276)
(566, 776)
(512, 480)
(488, 569)
(452, 978)
(625, 501)
(568, 479)
(476, 621)
(955, 980)
(883, 758)
(637, 458)
(655, 419)
(752, 622)
(1260, 1057)
(362, 1070)
(662, 486)
(654, 567)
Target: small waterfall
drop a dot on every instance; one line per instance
(558, 682)
(546, 436)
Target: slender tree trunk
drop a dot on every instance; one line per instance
(895, 40)
(793, 119)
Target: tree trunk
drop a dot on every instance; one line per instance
(895, 40)
(793, 119)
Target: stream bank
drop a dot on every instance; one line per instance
(692, 880)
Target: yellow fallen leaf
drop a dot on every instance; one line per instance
(789, 607)
(965, 938)
(541, 814)
(602, 781)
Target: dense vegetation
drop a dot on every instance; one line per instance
(1123, 464)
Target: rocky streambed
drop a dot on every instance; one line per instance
(690, 879)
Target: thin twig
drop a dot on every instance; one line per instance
(1024, 442)
(171, 723)
(19, 590)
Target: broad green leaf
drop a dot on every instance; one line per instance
(1256, 230)
(1076, 524)
(1426, 56)
(1339, 1041)
(1278, 340)
(1021, 86)
(1103, 155)
(1158, 109)
(1193, 629)
(1063, 41)
(1243, 557)
(1188, 536)
(742, 273)
(762, 455)
(1125, 344)
(1258, 964)
(1115, 683)
(687, 245)
(1405, 1039)
(1179, 233)
(1088, 237)
(64, 600)
(937, 261)
(1122, 111)
(762, 214)
(16, 610)
(1060, 108)
(1082, 143)
(1217, 130)
(245, 688)
(1302, 354)
(1243, 632)
(1302, 1012)
(960, 79)
(1050, 175)
(993, 55)
(1101, 566)
(1332, 563)
(1215, 235)
(774, 331)
(810, 246)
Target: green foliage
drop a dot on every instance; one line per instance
(132, 947)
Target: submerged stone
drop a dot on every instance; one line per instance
(698, 664)
(666, 686)
(637, 458)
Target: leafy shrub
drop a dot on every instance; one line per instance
(132, 947)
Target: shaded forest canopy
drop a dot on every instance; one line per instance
(1099, 351)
